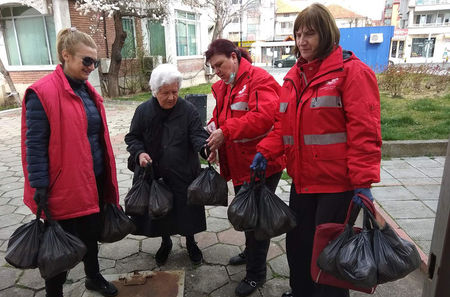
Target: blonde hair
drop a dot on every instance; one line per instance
(69, 38)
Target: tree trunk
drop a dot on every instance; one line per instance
(10, 83)
(217, 33)
(116, 56)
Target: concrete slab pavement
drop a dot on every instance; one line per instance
(408, 193)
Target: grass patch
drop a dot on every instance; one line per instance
(200, 89)
(285, 176)
(5, 107)
(409, 119)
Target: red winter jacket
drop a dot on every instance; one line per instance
(72, 186)
(330, 125)
(245, 113)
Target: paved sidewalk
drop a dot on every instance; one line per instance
(408, 193)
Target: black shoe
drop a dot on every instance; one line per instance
(99, 284)
(247, 286)
(195, 254)
(287, 294)
(238, 260)
(163, 252)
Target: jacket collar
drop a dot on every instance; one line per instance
(334, 61)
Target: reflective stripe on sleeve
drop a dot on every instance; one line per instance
(321, 139)
(326, 101)
(288, 140)
(239, 106)
(283, 106)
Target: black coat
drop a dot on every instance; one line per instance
(182, 137)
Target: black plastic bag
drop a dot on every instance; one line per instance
(115, 223)
(209, 188)
(23, 245)
(59, 250)
(274, 216)
(136, 201)
(395, 257)
(355, 260)
(243, 210)
(161, 199)
(327, 258)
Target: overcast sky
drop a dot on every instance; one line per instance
(370, 8)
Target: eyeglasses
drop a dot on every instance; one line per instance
(88, 61)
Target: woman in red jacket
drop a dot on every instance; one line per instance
(330, 133)
(246, 104)
(67, 157)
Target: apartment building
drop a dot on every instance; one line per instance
(422, 33)
(28, 38)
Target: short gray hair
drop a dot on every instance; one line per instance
(164, 74)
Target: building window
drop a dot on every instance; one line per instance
(401, 46)
(186, 31)
(234, 36)
(30, 37)
(422, 47)
(394, 49)
(129, 47)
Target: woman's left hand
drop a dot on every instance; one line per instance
(215, 140)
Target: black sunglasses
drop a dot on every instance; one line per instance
(88, 61)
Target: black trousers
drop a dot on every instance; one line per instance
(256, 250)
(87, 229)
(312, 210)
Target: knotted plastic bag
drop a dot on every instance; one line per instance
(355, 260)
(395, 257)
(161, 199)
(136, 201)
(23, 245)
(115, 223)
(59, 250)
(209, 188)
(243, 210)
(274, 216)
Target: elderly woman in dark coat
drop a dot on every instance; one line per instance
(166, 133)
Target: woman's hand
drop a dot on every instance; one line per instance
(215, 140)
(212, 158)
(144, 159)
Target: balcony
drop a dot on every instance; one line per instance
(431, 2)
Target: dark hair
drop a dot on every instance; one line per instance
(226, 47)
(317, 17)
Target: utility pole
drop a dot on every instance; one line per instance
(240, 23)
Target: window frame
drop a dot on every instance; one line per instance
(53, 61)
(134, 37)
(187, 21)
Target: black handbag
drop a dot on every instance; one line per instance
(209, 188)
(23, 245)
(59, 250)
(115, 223)
(136, 200)
(243, 210)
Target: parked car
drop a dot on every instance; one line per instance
(289, 61)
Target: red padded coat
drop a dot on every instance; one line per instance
(72, 185)
(245, 113)
(329, 125)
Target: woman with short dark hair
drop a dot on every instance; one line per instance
(330, 133)
(246, 103)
